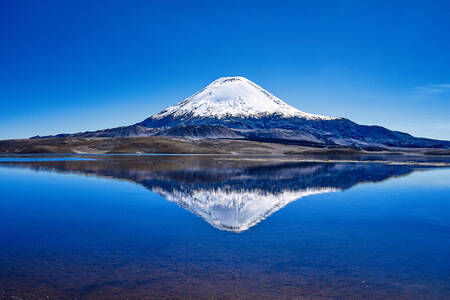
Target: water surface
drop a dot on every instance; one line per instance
(137, 227)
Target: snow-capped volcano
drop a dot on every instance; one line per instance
(233, 97)
(236, 108)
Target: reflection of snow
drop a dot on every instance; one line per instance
(236, 210)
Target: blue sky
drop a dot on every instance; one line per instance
(70, 66)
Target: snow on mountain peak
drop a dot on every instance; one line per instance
(233, 97)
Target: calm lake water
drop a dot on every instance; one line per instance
(208, 227)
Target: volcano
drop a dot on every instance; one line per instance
(237, 108)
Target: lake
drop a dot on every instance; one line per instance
(224, 227)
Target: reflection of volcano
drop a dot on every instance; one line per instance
(238, 198)
(235, 210)
(230, 196)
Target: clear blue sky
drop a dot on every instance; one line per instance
(70, 66)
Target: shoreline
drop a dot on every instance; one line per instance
(191, 146)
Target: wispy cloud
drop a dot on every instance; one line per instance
(441, 88)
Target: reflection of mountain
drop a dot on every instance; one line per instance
(231, 196)
(235, 210)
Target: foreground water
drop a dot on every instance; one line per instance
(144, 227)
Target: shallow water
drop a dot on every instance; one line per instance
(137, 227)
